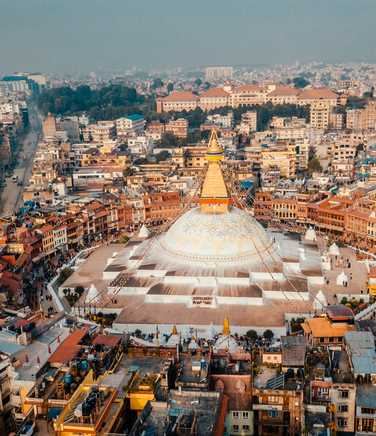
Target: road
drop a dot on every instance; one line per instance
(11, 196)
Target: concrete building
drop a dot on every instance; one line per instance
(49, 126)
(177, 101)
(248, 123)
(218, 73)
(178, 127)
(214, 98)
(131, 124)
(319, 115)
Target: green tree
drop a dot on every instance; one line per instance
(268, 335)
(169, 140)
(300, 82)
(79, 290)
(314, 165)
(252, 335)
(162, 156)
(108, 102)
(170, 87)
(157, 83)
(344, 301)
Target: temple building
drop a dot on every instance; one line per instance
(214, 262)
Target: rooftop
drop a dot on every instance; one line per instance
(321, 327)
(366, 396)
(200, 413)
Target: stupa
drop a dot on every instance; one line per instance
(215, 261)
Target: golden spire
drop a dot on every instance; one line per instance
(226, 327)
(214, 196)
(213, 146)
(174, 330)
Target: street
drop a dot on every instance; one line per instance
(11, 196)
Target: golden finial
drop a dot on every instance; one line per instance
(174, 330)
(214, 149)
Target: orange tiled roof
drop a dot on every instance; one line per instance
(314, 93)
(108, 340)
(46, 228)
(322, 327)
(69, 348)
(248, 88)
(215, 92)
(283, 91)
(180, 96)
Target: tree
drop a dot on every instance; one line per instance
(157, 83)
(64, 275)
(252, 335)
(170, 87)
(162, 156)
(314, 165)
(79, 290)
(344, 301)
(109, 102)
(169, 140)
(300, 82)
(198, 82)
(268, 335)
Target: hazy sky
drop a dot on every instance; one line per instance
(90, 35)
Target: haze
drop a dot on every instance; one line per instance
(95, 35)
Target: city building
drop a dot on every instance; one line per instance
(178, 127)
(218, 73)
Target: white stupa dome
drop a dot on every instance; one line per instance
(224, 238)
(93, 295)
(320, 301)
(144, 232)
(342, 279)
(310, 235)
(334, 250)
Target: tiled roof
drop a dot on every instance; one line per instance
(247, 88)
(180, 96)
(283, 91)
(108, 340)
(214, 92)
(317, 93)
(322, 327)
(69, 348)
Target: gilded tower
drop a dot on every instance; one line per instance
(214, 197)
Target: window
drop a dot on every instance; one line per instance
(343, 408)
(275, 399)
(235, 428)
(342, 422)
(367, 425)
(368, 411)
(245, 415)
(344, 394)
(246, 427)
(235, 414)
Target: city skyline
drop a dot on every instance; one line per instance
(52, 36)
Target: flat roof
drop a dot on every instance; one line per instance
(366, 395)
(321, 327)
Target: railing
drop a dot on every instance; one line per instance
(365, 313)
